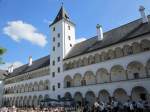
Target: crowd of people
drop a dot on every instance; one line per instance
(112, 106)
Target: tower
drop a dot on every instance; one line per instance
(62, 40)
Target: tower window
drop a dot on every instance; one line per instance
(53, 39)
(58, 69)
(53, 88)
(53, 48)
(58, 34)
(53, 28)
(58, 85)
(69, 37)
(58, 44)
(53, 74)
(58, 59)
(70, 45)
(53, 62)
(68, 27)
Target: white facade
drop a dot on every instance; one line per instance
(121, 70)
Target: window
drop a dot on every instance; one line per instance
(53, 48)
(68, 84)
(68, 27)
(70, 45)
(58, 59)
(53, 39)
(53, 74)
(58, 84)
(53, 62)
(58, 34)
(69, 37)
(136, 75)
(58, 96)
(53, 28)
(53, 88)
(58, 44)
(58, 69)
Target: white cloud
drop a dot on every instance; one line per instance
(8, 64)
(80, 39)
(19, 30)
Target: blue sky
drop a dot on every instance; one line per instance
(36, 15)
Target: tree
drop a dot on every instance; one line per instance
(2, 51)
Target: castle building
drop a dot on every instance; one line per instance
(115, 64)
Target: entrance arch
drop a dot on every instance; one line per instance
(104, 96)
(90, 98)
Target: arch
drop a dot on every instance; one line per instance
(41, 85)
(85, 61)
(136, 47)
(127, 50)
(35, 101)
(30, 102)
(30, 87)
(80, 62)
(46, 85)
(111, 54)
(97, 58)
(40, 98)
(118, 73)
(65, 66)
(26, 87)
(78, 98)
(118, 52)
(77, 79)
(135, 70)
(36, 86)
(91, 60)
(25, 101)
(145, 44)
(104, 96)
(67, 95)
(102, 76)
(148, 68)
(120, 95)
(67, 81)
(90, 98)
(89, 78)
(104, 56)
(139, 93)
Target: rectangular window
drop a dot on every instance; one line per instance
(58, 34)
(53, 39)
(58, 69)
(70, 45)
(69, 37)
(53, 48)
(58, 85)
(53, 62)
(53, 74)
(53, 88)
(68, 27)
(58, 59)
(58, 44)
(53, 28)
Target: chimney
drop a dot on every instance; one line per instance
(143, 15)
(30, 60)
(99, 32)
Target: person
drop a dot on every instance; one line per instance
(96, 106)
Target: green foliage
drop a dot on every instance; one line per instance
(2, 51)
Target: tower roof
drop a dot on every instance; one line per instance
(62, 14)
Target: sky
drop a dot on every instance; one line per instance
(24, 24)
